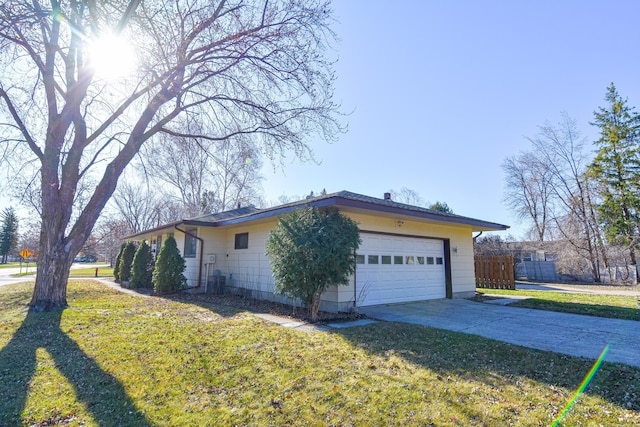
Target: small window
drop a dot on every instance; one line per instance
(430, 260)
(190, 243)
(439, 261)
(242, 241)
(410, 260)
(421, 260)
(386, 259)
(359, 259)
(398, 259)
(373, 259)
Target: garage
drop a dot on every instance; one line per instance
(394, 269)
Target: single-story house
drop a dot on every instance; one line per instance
(408, 253)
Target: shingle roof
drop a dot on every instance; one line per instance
(339, 199)
(226, 214)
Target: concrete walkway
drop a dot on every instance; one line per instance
(572, 334)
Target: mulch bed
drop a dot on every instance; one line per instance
(262, 306)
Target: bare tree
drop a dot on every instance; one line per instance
(205, 179)
(492, 245)
(408, 196)
(246, 67)
(528, 191)
(29, 236)
(108, 234)
(238, 180)
(561, 149)
(138, 207)
(179, 169)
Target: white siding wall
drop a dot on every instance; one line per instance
(249, 268)
(249, 271)
(215, 243)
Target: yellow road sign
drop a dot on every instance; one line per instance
(26, 253)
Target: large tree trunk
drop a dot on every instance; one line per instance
(50, 292)
(55, 259)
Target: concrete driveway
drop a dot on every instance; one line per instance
(571, 334)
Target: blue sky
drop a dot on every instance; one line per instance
(442, 91)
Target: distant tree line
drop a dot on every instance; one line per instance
(589, 203)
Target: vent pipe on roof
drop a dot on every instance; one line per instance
(387, 196)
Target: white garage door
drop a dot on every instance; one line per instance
(399, 269)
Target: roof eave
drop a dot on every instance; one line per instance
(477, 225)
(153, 230)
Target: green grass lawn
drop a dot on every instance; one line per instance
(117, 359)
(91, 272)
(13, 265)
(612, 306)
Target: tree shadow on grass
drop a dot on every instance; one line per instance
(102, 394)
(494, 363)
(223, 305)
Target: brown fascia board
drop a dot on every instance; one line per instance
(153, 230)
(422, 214)
(359, 204)
(334, 200)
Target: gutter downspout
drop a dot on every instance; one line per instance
(475, 237)
(201, 255)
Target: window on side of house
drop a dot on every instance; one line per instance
(190, 243)
(242, 241)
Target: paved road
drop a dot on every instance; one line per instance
(572, 334)
(6, 278)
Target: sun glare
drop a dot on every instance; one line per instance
(112, 56)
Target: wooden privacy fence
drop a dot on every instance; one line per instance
(495, 272)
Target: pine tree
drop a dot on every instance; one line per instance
(126, 261)
(116, 268)
(617, 169)
(9, 233)
(168, 277)
(141, 274)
